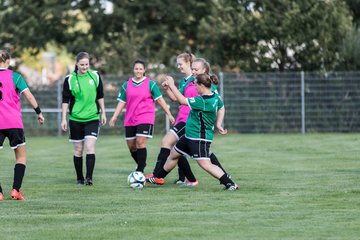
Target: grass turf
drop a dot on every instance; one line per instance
(291, 187)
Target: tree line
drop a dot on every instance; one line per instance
(234, 35)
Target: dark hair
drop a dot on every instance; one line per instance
(79, 56)
(4, 56)
(206, 65)
(141, 62)
(187, 56)
(204, 79)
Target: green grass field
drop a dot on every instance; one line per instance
(291, 187)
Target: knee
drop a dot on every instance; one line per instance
(21, 160)
(90, 148)
(78, 150)
(204, 164)
(140, 144)
(168, 141)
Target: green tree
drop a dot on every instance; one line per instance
(31, 24)
(277, 35)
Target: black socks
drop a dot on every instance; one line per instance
(78, 164)
(19, 172)
(141, 158)
(90, 165)
(185, 168)
(162, 157)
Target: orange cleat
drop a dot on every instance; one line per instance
(149, 175)
(155, 180)
(16, 195)
(1, 197)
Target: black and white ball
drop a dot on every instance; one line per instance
(136, 180)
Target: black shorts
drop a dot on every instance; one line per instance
(196, 149)
(81, 130)
(16, 137)
(143, 130)
(178, 130)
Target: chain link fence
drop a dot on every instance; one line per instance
(294, 102)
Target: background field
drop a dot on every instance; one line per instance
(291, 187)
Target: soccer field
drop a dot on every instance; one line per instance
(291, 187)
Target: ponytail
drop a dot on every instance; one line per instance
(4, 56)
(214, 79)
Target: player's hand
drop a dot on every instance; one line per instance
(170, 81)
(222, 131)
(172, 119)
(41, 119)
(103, 118)
(64, 125)
(165, 85)
(112, 121)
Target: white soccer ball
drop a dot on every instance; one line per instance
(136, 180)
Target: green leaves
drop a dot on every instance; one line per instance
(242, 35)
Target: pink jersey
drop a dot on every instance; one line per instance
(140, 105)
(10, 105)
(184, 110)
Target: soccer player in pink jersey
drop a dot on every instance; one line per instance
(12, 84)
(139, 94)
(187, 88)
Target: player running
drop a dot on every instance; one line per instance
(12, 84)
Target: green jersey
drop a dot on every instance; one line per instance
(200, 124)
(82, 93)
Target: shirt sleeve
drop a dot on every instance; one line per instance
(220, 102)
(122, 93)
(100, 89)
(19, 82)
(196, 103)
(182, 86)
(155, 91)
(66, 94)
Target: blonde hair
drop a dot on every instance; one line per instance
(187, 56)
(206, 66)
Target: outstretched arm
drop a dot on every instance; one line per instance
(32, 101)
(168, 91)
(176, 92)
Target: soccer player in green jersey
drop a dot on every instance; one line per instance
(207, 112)
(84, 96)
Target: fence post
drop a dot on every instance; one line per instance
(59, 105)
(302, 102)
(221, 78)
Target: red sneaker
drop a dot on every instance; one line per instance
(16, 195)
(149, 175)
(1, 197)
(154, 180)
